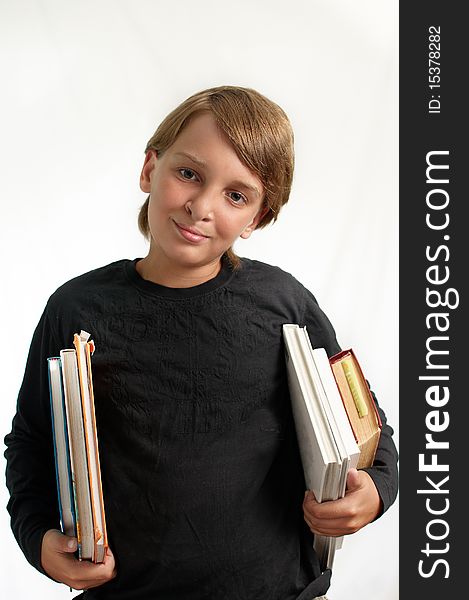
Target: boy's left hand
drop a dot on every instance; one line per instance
(360, 505)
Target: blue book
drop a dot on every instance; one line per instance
(63, 471)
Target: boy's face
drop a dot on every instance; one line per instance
(202, 197)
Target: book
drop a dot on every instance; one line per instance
(84, 349)
(329, 445)
(359, 404)
(78, 458)
(326, 546)
(81, 453)
(61, 448)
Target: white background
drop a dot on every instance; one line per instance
(84, 86)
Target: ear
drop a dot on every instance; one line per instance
(254, 223)
(148, 166)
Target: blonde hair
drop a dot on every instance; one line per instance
(259, 131)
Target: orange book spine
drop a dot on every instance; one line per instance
(89, 349)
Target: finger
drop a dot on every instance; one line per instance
(86, 575)
(109, 556)
(70, 544)
(331, 528)
(322, 528)
(353, 480)
(110, 562)
(309, 496)
(330, 509)
(309, 502)
(342, 523)
(59, 542)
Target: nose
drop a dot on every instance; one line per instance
(201, 206)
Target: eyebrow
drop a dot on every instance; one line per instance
(236, 183)
(194, 159)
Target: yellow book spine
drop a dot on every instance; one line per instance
(360, 404)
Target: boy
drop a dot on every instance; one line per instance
(203, 484)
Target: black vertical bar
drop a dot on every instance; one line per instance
(434, 502)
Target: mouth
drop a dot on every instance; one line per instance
(190, 233)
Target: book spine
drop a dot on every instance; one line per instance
(77, 452)
(51, 364)
(83, 389)
(349, 355)
(99, 533)
(83, 354)
(73, 529)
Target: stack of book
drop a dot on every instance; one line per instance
(76, 448)
(336, 421)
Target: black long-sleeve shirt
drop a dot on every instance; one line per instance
(202, 479)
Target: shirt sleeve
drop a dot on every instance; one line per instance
(384, 470)
(30, 469)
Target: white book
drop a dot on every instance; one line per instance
(325, 438)
(319, 454)
(338, 419)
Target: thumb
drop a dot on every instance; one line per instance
(66, 543)
(353, 480)
(309, 498)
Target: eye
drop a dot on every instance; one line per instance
(237, 198)
(188, 174)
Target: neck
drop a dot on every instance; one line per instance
(160, 271)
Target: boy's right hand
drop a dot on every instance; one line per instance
(59, 562)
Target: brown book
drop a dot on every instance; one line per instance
(359, 404)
